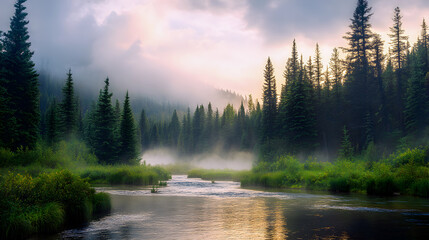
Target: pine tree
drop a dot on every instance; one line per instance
(155, 138)
(300, 119)
(270, 102)
(128, 139)
(21, 82)
(291, 75)
(358, 77)
(398, 43)
(424, 38)
(144, 131)
(318, 66)
(346, 150)
(209, 127)
(105, 141)
(187, 133)
(380, 102)
(198, 128)
(68, 108)
(174, 130)
(398, 40)
(6, 118)
(336, 71)
(416, 98)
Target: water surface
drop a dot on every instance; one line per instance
(198, 209)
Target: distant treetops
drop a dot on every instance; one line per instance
(358, 99)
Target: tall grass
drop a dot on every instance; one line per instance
(46, 203)
(217, 174)
(124, 174)
(406, 172)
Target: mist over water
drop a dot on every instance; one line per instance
(235, 160)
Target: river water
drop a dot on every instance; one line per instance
(198, 209)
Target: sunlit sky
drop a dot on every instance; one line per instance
(180, 48)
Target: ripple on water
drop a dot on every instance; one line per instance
(365, 209)
(193, 187)
(108, 223)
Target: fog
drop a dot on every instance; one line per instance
(234, 160)
(182, 51)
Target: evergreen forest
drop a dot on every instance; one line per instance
(365, 114)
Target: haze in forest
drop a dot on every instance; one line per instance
(157, 49)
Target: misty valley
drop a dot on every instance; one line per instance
(133, 120)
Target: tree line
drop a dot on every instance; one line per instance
(365, 96)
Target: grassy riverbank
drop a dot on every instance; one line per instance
(47, 203)
(218, 174)
(77, 158)
(47, 188)
(406, 173)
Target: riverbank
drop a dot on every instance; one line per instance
(403, 173)
(47, 203)
(218, 174)
(191, 208)
(48, 188)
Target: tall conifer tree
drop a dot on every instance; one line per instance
(21, 82)
(128, 139)
(270, 102)
(68, 108)
(174, 130)
(399, 49)
(358, 82)
(105, 139)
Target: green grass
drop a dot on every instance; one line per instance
(45, 204)
(124, 174)
(406, 172)
(217, 174)
(44, 189)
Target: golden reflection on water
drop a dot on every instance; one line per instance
(250, 219)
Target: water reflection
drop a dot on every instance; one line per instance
(196, 209)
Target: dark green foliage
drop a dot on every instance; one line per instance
(122, 174)
(318, 68)
(339, 184)
(19, 79)
(346, 151)
(381, 185)
(416, 97)
(421, 188)
(174, 130)
(198, 123)
(68, 109)
(299, 122)
(399, 48)
(101, 203)
(217, 175)
(128, 139)
(105, 139)
(358, 78)
(269, 109)
(46, 203)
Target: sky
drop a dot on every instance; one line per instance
(183, 49)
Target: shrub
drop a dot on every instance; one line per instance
(102, 203)
(44, 204)
(382, 185)
(420, 188)
(339, 184)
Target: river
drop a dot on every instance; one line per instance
(198, 209)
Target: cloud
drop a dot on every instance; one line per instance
(181, 50)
